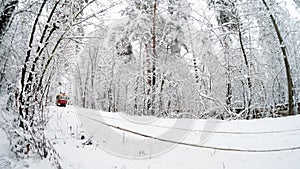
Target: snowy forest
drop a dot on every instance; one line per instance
(221, 59)
(195, 59)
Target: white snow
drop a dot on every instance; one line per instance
(113, 148)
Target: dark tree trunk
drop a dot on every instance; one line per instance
(153, 85)
(286, 62)
(149, 80)
(249, 84)
(6, 16)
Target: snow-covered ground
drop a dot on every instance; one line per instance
(154, 143)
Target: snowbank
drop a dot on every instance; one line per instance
(114, 148)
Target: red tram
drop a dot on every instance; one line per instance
(62, 99)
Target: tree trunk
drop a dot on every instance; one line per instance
(196, 69)
(249, 84)
(85, 93)
(160, 106)
(149, 80)
(153, 85)
(286, 62)
(6, 17)
(228, 77)
(3, 73)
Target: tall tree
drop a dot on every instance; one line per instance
(227, 21)
(285, 58)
